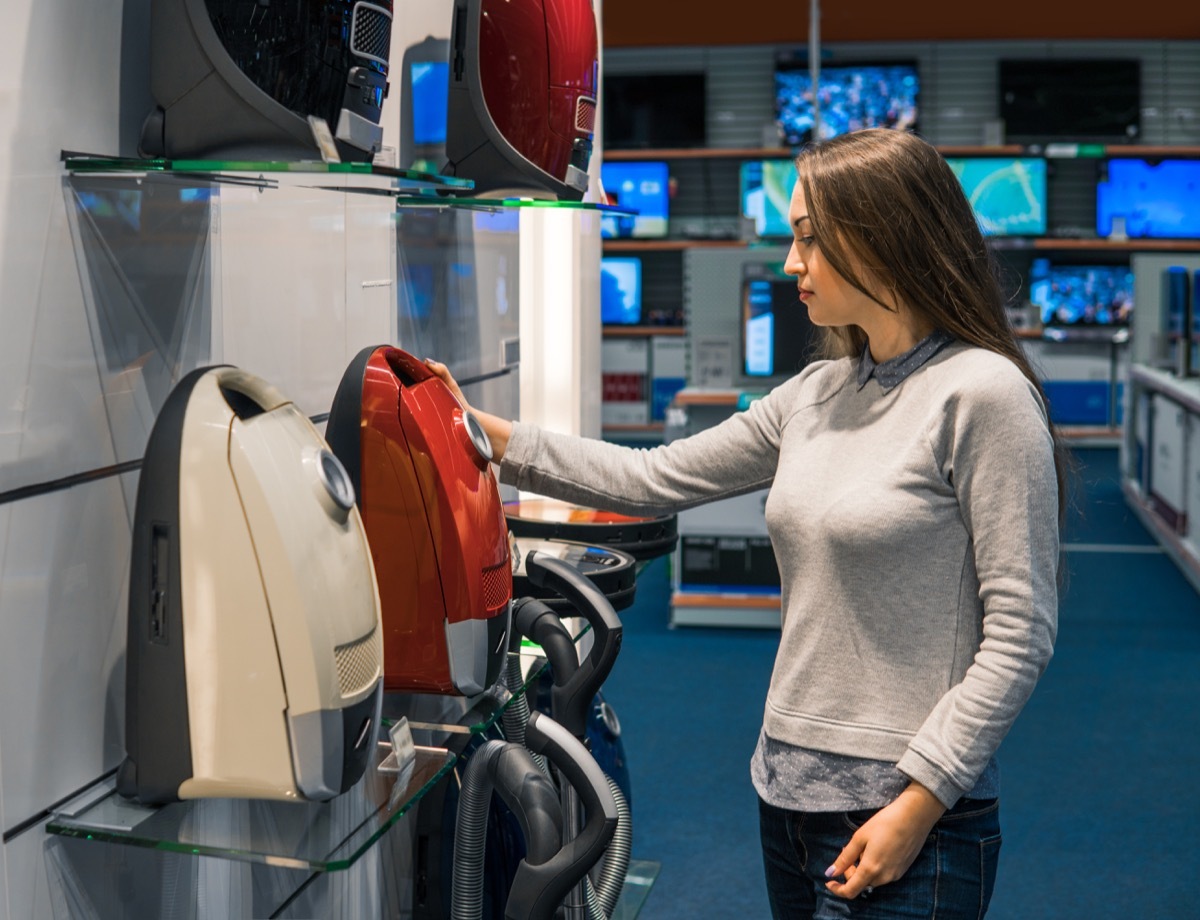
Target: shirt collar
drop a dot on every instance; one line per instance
(893, 371)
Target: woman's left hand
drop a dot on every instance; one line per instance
(883, 849)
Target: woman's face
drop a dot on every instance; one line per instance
(831, 300)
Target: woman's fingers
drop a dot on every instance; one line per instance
(443, 374)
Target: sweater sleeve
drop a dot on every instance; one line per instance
(999, 457)
(739, 455)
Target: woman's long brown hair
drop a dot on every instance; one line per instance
(892, 218)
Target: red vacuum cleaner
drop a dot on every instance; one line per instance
(420, 465)
(522, 96)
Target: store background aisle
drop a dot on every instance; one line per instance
(1100, 798)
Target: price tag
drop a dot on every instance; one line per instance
(404, 749)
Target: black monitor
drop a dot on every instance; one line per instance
(653, 110)
(1082, 100)
(777, 337)
(873, 94)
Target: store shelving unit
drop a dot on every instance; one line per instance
(1160, 462)
(243, 228)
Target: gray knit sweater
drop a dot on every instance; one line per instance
(917, 539)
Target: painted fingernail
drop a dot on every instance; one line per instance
(831, 872)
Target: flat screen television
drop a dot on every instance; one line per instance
(637, 186)
(424, 100)
(653, 110)
(852, 96)
(766, 190)
(777, 337)
(1081, 295)
(430, 95)
(1008, 194)
(1091, 99)
(1157, 199)
(621, 290)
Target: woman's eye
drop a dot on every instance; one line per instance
(804, 240)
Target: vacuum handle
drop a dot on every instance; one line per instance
(538, 891)
(534, 619)
(253, 387)
(546, 571)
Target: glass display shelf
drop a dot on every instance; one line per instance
(314, 836)
(433, 719)
(385, 178)
(639, 879)
(503, 204)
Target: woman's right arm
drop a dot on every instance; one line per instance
(498, 429)
(737, 456)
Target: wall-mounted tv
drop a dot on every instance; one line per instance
(1157, 199)
(766, 190)
(1081, 295)
(777, 336)
(852, 96)
(641, 186)
(424, 101)
(1008, 194)
(430, 96)
(653, 110)
(621, 290)
(1083, 100)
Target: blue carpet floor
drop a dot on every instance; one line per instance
(1100, 796)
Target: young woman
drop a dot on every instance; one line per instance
(915, 486)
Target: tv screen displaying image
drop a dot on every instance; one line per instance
(640, 187)
(852, 96)
(1081, 295)
(1008, 194)
(1159, 199)
(430, 97)
(766, 189)
(1097, 100)
(777, 337)
(621, 290)
(653, 110)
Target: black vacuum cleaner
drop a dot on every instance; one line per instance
(554, 863)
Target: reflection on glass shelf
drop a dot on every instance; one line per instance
(639, 879)
(434, 718)
(495, 204)
(79, 163)
(321, 837)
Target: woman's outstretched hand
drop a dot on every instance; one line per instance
(886, 846)
(498, 429)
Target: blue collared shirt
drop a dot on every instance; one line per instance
(892, 372)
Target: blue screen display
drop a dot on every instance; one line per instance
(852, 97)
(1081, 295)
(766, 194)
(1008, 194)
(1161, 200)
(621, 290)
(430, 98)
(777, 336)
(640, 187)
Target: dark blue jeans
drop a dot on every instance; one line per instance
(951, 879)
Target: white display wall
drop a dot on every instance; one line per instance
(287, 282)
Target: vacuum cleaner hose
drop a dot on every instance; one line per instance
(615, 865)
(516, 714)
(509, 769)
